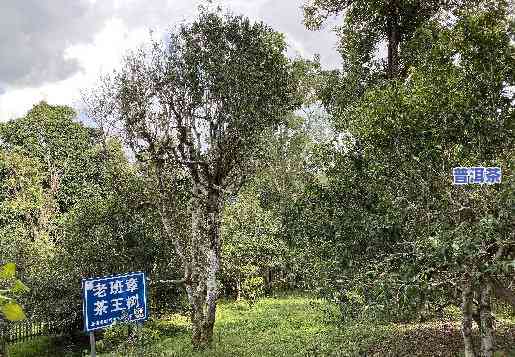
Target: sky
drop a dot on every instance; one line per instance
(51, 50)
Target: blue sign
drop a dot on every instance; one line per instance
(121, 298)
(477, 175)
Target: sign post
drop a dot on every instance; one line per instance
(92, 344)
(113, 299)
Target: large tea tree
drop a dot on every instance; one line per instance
(199, 101)
(369, 28)
(453, 110)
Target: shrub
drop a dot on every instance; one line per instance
(252, 288)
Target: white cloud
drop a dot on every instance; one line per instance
(126, 28)
(100, 56)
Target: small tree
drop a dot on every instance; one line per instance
(198, 102)
(251, 247)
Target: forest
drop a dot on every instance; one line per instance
(277, 208)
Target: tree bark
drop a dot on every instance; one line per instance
(238, 289)
(213, 260)
(393, 41)
(205, 264)
(3, 332)
(466, 328)
(201, 262)
(487, 328)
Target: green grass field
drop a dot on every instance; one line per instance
(294, 326)
(297, 326)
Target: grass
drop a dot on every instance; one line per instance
(46, 346)
(294, 326)
(302, 326)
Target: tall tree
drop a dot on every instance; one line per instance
(368, 23)
(368, 27)
(431, 240)
(199, 102)
(72, 206)
(44, 166)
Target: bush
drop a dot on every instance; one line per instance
(128, 338)
(113, 337)
(252, 288)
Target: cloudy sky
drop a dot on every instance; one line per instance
(52, 49)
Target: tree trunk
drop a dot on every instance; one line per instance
(466, 329)
(238, 289)
(202, 262)
(205, 263)
(197, 301)
(487, 328)
(393, 41)
(3, 333)
(267, 279)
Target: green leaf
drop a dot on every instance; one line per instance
(8, 271)
(13, 312)
(19, 288)
(4, 299)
